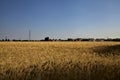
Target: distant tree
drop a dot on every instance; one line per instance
(13, 40)
(47, 39)
(2, 39)
(70, 39)
(78, 39)
(8, 39)
(85, 39)
(5, 39)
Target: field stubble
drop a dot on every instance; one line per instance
(59, 61)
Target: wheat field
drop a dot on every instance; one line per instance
(59, 60)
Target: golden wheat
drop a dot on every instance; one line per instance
(59, 60)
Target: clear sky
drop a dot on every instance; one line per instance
(59, 18)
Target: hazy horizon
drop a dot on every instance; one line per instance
(59, 19)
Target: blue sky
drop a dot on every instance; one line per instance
(59, 18)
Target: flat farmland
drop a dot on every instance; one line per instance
(59, 60)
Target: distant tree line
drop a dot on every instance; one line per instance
(69, 39)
